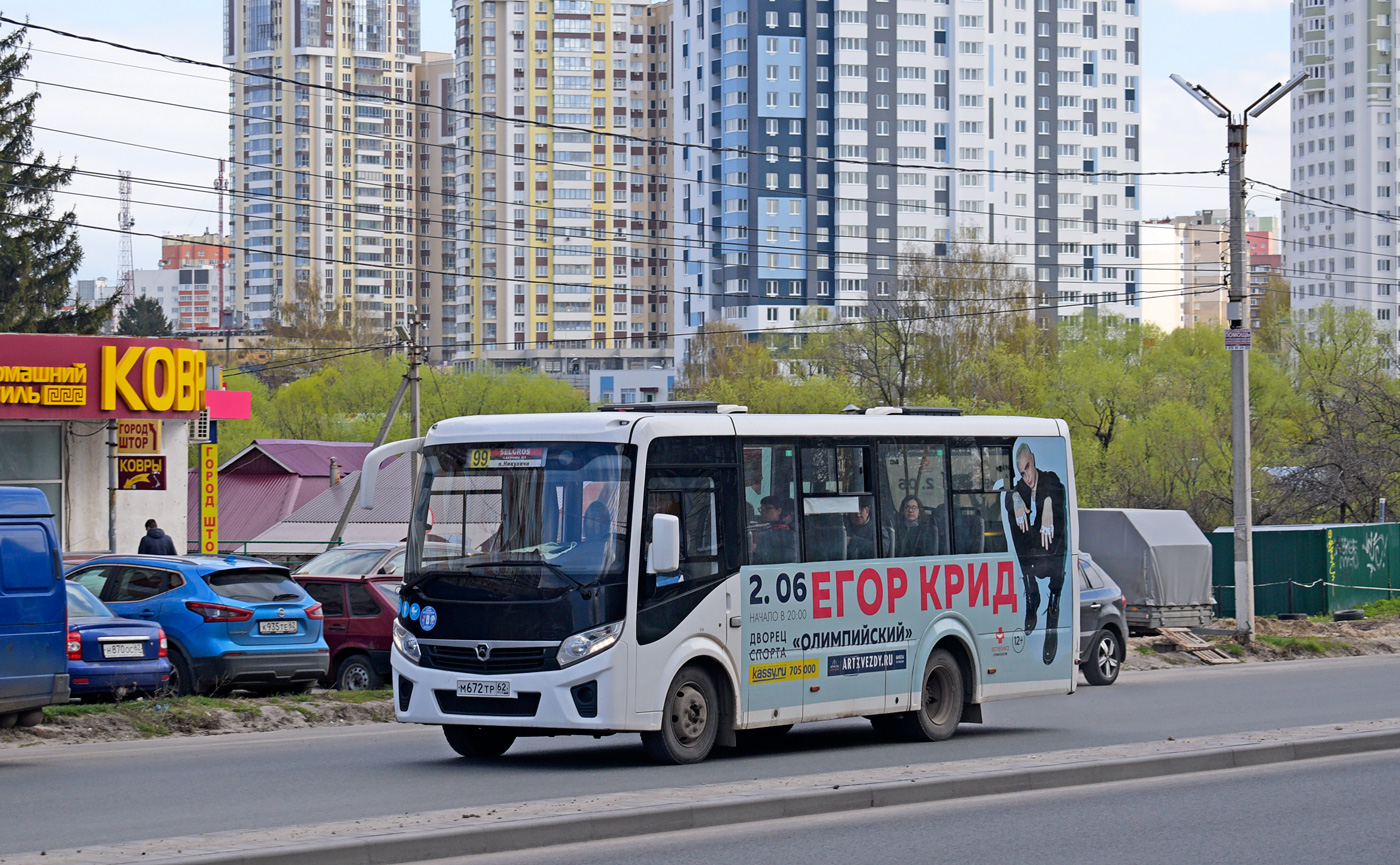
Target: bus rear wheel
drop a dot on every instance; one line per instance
(940, 710)
(690, 721)
(478, 742)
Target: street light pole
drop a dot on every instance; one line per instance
(1238, 339)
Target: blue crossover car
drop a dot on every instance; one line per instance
(231, 623)
(108, 655)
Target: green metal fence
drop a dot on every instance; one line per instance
(1311, 569)
(304, 551)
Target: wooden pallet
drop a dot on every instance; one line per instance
(1189, 642)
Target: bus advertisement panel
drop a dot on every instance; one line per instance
(853, 634)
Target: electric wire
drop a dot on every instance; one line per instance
(631, 139)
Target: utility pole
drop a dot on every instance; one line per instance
(112, 485)
(415, 405)
(408, 384)
(1238, 339)
(414, 358)
(221, 183)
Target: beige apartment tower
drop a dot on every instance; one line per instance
(341, 165)
(565, 245)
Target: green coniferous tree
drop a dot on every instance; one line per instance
(39, 251)
(143, 317)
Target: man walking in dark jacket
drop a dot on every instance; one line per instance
(156, 542)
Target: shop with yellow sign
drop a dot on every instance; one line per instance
(101, 425)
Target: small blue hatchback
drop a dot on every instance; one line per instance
(231, 623)
(109, 655)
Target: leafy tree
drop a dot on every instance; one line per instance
(39, 251)
(345, 400)
(1343, 453)
(143, 317)
(779, 395)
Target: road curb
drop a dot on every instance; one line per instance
(733, 809)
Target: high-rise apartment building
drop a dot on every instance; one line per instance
(1343, 159)
(433, 240)
(333, 189)
(822, 141)
(565, 252)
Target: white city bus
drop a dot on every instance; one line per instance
(692, 572)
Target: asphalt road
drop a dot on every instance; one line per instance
(91, 794)
(1334, 810)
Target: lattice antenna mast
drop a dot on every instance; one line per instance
(125, 223)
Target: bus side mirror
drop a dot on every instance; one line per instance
(664, 554)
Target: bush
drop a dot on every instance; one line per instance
(1385, 607)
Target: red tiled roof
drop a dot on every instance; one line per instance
(309, 459)
(268, 480)
(250, 503)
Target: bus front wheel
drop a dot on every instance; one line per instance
(942, 704)
(690, 721)
(478, 742)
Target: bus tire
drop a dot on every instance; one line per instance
(941, 705)
(478, 742)
(690, 719)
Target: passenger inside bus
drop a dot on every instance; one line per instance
(774, 540)
(915, 533)
(860, 532)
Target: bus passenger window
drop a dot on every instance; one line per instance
(915, 500)
(980, 474)
(837, 519)
(770, 496)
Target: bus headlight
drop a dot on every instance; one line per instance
(588, 643)
(406, 643)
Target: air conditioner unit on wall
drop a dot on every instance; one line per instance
(199, 428)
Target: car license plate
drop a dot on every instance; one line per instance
(277, 626)
(495, 688)
(124, 650)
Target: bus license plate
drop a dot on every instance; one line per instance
(277, 626)
(483, 689)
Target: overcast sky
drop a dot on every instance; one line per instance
(1235, 48)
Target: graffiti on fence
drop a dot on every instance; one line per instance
(1375, 550)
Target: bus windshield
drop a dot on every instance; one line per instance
(522, 519)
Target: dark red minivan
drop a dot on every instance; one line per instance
(357, 586)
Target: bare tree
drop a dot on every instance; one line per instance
(721, 352)
(952, 303)
(310, 325)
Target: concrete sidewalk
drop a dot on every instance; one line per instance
(458, 832)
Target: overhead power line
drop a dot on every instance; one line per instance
(506, 224)
(628, 175)
(628, 139)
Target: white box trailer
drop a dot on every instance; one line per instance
(1160, 560)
